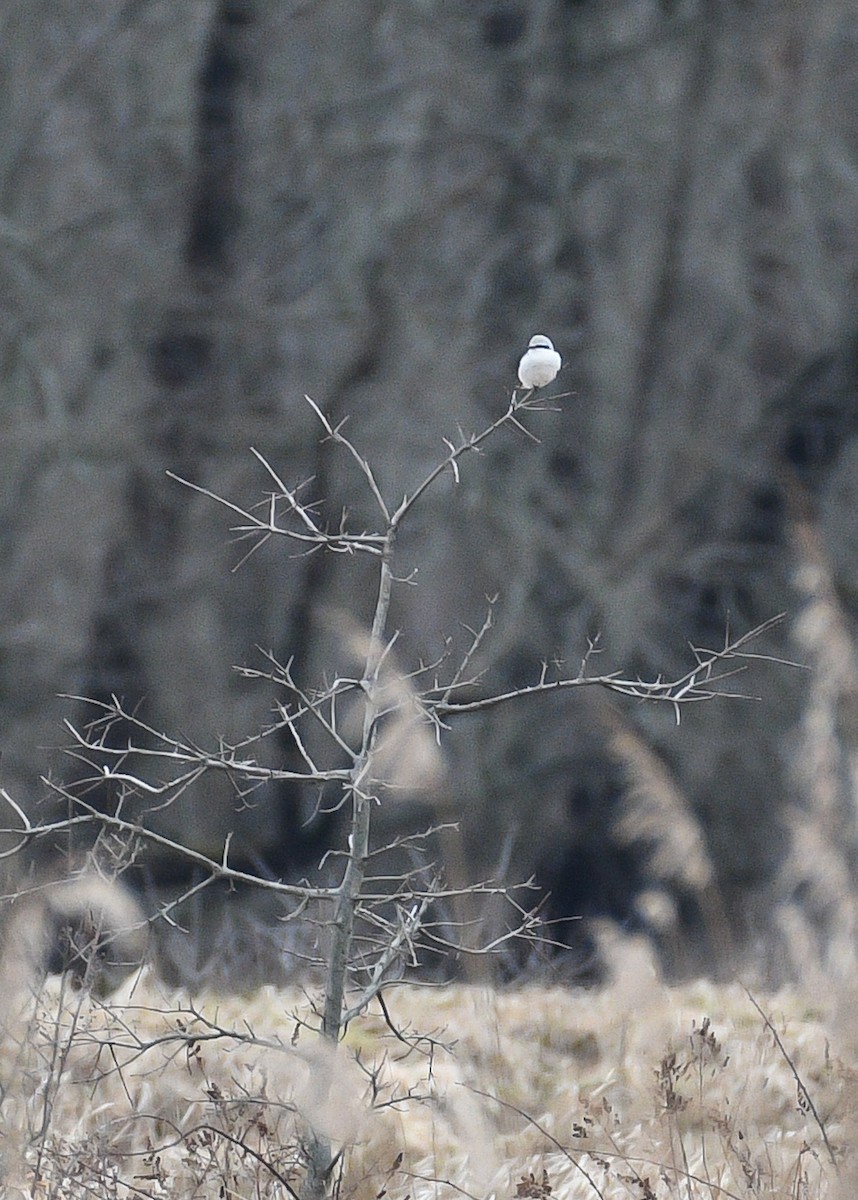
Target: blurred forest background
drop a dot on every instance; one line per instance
(209, 208)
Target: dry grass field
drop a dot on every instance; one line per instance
(634, 1090)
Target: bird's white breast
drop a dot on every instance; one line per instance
(538, 367)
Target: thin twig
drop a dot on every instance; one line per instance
(698, 684)
(801, 1087)
(545, 1133)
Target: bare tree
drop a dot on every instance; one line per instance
(359, 737)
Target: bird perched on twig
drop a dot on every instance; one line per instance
(540, 362)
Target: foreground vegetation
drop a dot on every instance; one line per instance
(634, 1090)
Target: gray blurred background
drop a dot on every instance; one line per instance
(208, 209)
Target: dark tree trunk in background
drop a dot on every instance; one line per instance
(210, 209)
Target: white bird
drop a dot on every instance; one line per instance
(540, 362)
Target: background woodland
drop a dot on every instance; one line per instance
(209, 209)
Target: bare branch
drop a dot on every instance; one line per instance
(217, 869)
(335, 435)
(473, 443)
(477, 638)
(700, 683)
(315, 538)
(409, 924)
(174, 751)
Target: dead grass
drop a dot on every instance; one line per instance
(634, 1090)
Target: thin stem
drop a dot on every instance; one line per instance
(350, 889)
(804, 1097)
(452, 459)
(319, 1153)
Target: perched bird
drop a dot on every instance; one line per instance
(540, 362)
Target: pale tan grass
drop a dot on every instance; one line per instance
(581, 1084)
